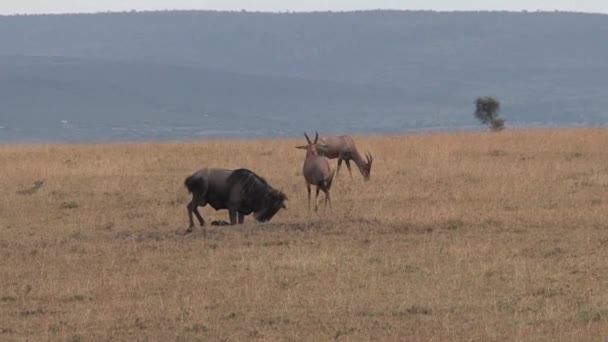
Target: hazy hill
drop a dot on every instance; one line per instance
(45, 91)
(411, 69)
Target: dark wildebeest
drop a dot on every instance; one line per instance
(240, 191)
(317, 171)
(343, 147)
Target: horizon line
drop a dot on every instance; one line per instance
(132, 11)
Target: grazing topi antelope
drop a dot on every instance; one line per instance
(343, 147)
(317, 171)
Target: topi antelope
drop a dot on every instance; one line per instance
(317, 171)
(343, 147)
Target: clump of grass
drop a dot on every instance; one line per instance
(68, 205)
(413, 310)
(32, 190)
(593, 314)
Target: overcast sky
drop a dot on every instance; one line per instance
(64, 6)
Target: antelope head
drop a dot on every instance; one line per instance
(313, 146)
(366, 169)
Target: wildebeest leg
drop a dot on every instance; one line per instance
(241, 218)
(308, 188)
(232, 214)
(193, 208)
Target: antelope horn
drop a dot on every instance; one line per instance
(369, 158)
(316, 137)
(307, 138)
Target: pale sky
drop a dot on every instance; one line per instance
(71, 6)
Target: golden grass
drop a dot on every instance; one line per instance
(474, 236)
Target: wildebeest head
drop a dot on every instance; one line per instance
(273, 202)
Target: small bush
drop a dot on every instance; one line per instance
(486, 111)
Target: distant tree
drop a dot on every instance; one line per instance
(486, 111)
(497, 124)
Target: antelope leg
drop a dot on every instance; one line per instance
(327, 198)
(348, 166)
(308, 188)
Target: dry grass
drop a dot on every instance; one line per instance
(457, 237)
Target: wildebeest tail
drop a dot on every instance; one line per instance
(195, 183)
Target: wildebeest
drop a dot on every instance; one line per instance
(241, 191)
(317, 171)
(343, 147)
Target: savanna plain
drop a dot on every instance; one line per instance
(456, 237)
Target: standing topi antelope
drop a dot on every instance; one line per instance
(343, 147)
(317, 171)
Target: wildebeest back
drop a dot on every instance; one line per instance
(211, 184)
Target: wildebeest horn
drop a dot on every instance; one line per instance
(307, 138)
(316, 137)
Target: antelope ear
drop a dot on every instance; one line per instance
(303, 147)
